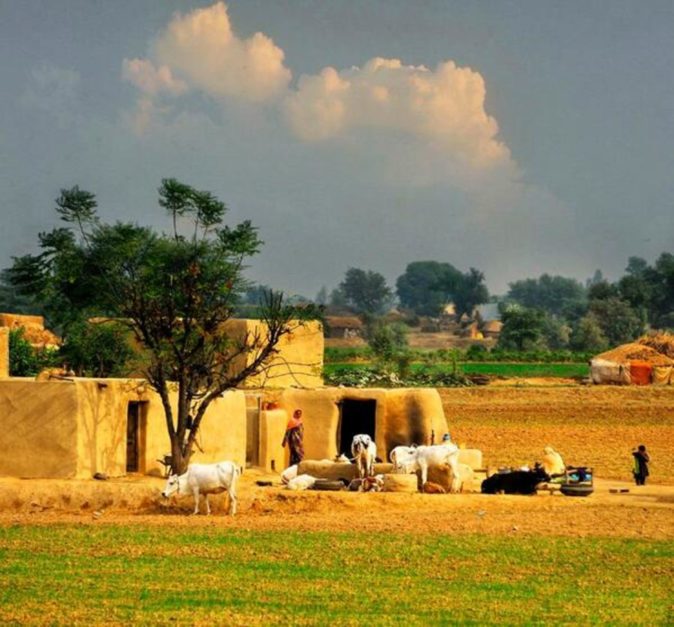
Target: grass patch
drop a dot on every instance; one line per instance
(69, 574)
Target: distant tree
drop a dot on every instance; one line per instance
(523, 329)
(366, 291)
(338, 298)
(322, 296)
(470, 291)
(388, 343)
(588, 335)
(553, 294)
(556, 332)
(12, 301)
(426, 286)
(617, 319)
(597, 277)
(602, 291)
(176, 292)
(662, 279)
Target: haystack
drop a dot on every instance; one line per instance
(663, 343)
(631, 363)
(636, 351)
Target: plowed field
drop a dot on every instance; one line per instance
(596, 426)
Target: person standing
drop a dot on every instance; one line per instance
(294, 437)
(641, 460)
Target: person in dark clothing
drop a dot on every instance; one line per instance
(294, 437)
(641, 459)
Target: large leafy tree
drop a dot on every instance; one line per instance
(426, 286)
(469, 292)
(619, 322)
(553, 294)
(523, 329)
(366, 291)
(175, 292)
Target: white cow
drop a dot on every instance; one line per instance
(436, 455)
(364, 452)
(205, 479)
(402, 457)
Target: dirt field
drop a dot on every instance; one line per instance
(647, 512)
(596, 426)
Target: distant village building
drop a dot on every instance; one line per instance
(344, 327)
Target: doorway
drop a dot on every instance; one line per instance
(135, 437)
(356, 416)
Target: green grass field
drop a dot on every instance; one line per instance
(68, 574)
(502, 369)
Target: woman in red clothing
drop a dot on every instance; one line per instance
(294, 436)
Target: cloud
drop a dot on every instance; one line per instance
(444, 108)
(202, 47)
(150, 80)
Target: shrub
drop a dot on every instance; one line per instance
(24, 359)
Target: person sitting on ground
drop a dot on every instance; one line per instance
(553, 464)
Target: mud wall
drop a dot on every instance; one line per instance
(298, 362)
(402, 416)
(4, 352)
(76, 428)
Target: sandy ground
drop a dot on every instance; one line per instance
(643, 512)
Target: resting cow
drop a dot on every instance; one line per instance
(515, 482)
(364, 452)
(205, 479)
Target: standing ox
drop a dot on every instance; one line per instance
(364, 452)
(205, 479)
(423, 457)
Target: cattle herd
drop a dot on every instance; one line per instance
(205, 479)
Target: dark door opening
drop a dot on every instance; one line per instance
(356, 417)
(135, 436)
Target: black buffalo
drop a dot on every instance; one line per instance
(515, 482)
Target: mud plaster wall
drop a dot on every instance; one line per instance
(38, 429)
(402, 416)
(4, 352)
(273, 456)
(73, 429)
(299, 361)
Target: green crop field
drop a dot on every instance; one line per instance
(565, 370)
(499, 369)
(91, 574)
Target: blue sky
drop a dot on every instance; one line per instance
(516, 137)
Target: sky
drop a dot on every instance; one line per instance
(517, 137)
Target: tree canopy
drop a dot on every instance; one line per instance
(553, 294)
(174, 292)
(366, 291)
(427, 286)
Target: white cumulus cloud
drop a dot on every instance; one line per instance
(151, 80)
(202, 47)
(444, 107)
